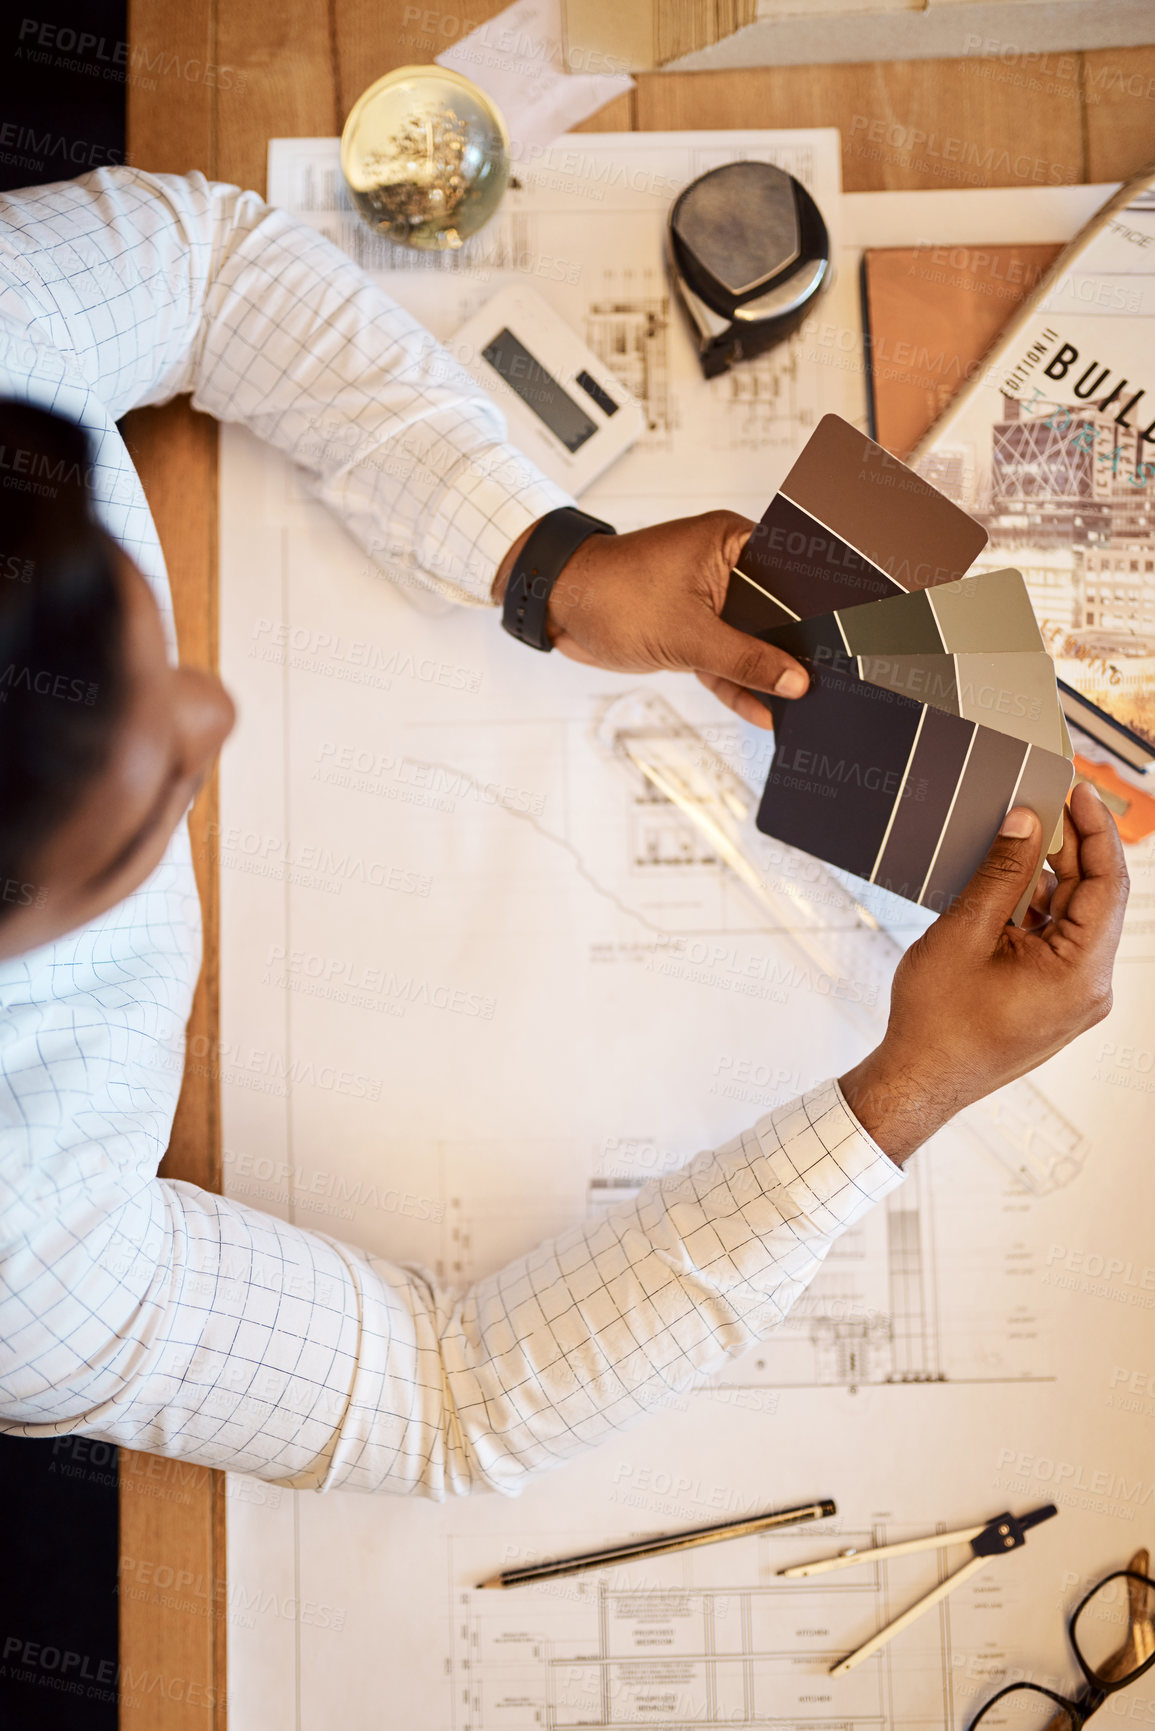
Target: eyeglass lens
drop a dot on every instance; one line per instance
(1114, 1629)
(1022, 1707)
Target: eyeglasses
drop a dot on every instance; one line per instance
(1122, 1604)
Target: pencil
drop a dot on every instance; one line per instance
(659, 1547)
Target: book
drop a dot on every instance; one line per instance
(930, 314)
(1049, 441)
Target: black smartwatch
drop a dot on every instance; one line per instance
(537, 568)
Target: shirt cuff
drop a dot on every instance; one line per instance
(480, 518)
(843, 1169)
(886, 1167)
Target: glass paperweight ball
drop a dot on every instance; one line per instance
(425, 156)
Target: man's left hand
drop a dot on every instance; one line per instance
(651, 599)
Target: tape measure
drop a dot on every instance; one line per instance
(749, 254)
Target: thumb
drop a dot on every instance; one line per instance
(1001, 881)
(725, 653)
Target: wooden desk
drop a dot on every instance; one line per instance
(209, 86)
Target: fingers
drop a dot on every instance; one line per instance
(736, 697)
(721, 651)
(1065, 865)
(1100, 849)
(1039, 908)
(1044, 890)
(735, 532)
(1065, 859)
(993, 893)
(1096, 893)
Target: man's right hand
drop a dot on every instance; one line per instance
(653, 598)
(976, 1002)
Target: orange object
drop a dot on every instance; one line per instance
(1133, 810)
(932, 312)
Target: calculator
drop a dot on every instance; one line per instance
(562, 405)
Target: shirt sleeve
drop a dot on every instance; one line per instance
(204, 1330)
(156, 285)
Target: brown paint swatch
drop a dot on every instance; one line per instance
(890, 515)
(898, 792)
(750, 608)
(989, 778)
(840, 755)
(808, 567)
(928, 791)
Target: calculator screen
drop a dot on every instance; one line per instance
(539, 390)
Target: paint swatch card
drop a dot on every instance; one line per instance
(933, 704)
(972, 648)
(905, 795)
(990, 610)
(850, 524)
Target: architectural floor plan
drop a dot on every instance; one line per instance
(715, 1640)
(416, 869)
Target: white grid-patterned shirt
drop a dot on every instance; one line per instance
(145, 1311)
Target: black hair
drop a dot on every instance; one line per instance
(61, 637)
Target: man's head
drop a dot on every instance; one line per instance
(103, 743)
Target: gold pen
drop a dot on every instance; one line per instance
(660, 1547)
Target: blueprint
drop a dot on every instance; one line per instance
(427, 848)
(716, 1640)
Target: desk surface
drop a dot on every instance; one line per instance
(208, 86)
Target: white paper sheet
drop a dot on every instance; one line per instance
(518, 60)
(438, 805)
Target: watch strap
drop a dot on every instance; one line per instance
(554, 540)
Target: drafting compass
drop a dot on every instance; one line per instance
(749, 252)
(993, 1539)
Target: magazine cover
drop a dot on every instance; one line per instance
(1051, 446)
